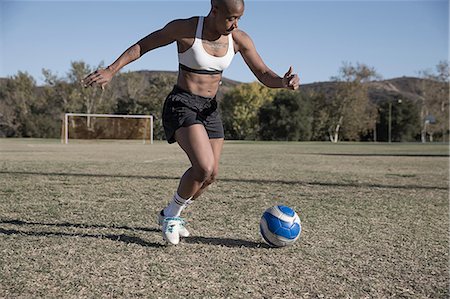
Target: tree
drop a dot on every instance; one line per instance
(8, 127)
(15, 110)
(86, 100)
(145, 96)
(435, 102)
(56, 92)
(350, 113)
(405, 118)
(287, 117)
(319, 127)
(240, 108)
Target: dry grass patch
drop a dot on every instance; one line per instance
(79, 221)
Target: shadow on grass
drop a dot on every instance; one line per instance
(78, 225)
(226, 242)
(114, 237)
(256, 181)
(118, 237)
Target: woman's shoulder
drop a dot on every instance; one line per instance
(186, 22)
(239, 35)
(183, 27)
(241, 39)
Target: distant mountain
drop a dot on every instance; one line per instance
(404, 87)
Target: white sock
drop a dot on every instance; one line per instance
(176, 206)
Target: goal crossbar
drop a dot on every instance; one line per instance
(66, 121)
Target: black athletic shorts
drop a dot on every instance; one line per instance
(184, 109)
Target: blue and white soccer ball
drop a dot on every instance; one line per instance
(280, 226)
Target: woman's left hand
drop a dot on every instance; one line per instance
(290, 80)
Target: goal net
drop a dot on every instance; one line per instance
(107, 126)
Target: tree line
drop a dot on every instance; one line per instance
(353, 106)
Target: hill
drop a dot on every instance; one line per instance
(411, 88)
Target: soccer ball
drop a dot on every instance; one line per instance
(280, 226)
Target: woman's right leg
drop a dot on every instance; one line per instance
(195, 142)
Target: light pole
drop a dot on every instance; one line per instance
(390, 119)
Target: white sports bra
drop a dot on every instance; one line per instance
(197, 60)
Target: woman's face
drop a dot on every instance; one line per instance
(227, 18)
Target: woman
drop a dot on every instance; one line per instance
(206, 46)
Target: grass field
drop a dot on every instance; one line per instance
(79, 221)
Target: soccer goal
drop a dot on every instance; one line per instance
(107, 126)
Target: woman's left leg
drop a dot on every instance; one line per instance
(216, 145)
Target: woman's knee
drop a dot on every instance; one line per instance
(212, 178)
(204, 172)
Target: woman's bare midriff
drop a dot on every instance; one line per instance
(199, 84)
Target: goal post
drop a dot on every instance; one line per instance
(147, 128)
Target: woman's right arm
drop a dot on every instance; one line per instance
(167, 35)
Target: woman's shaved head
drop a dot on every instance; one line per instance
(227, 4)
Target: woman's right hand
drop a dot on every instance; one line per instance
(100, 77)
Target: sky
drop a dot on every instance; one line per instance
(397, 38)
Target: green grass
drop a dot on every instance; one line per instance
(79, 221)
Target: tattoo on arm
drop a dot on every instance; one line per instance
(134, 52)
(130, 54)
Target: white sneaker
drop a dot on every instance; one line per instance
(170, 230)
(182, 231)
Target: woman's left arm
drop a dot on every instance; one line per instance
(245, 46)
